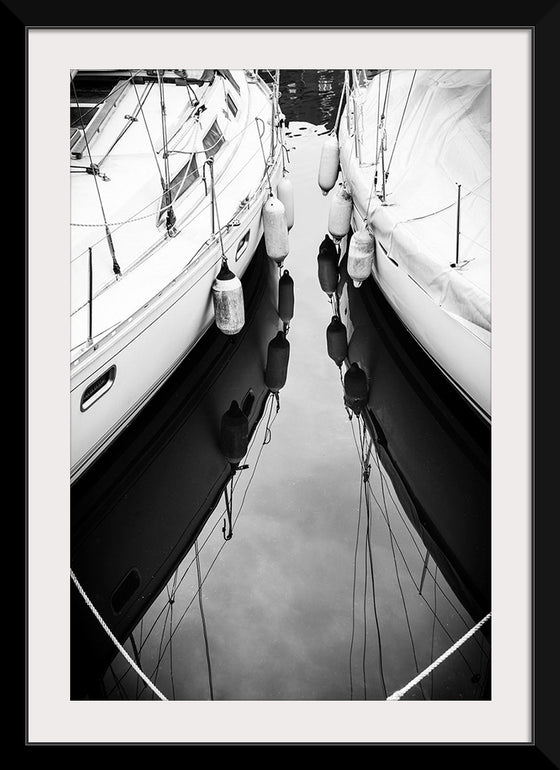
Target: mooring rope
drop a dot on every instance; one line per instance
(113, 638)
(397, 695)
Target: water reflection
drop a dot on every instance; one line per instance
(424, 461)
(315, 93)
(136, 517)
(306, 600)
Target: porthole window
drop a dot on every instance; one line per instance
(97, 388)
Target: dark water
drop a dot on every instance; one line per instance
(360, 547)
(311, 95)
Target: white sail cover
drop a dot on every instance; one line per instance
(436, 130)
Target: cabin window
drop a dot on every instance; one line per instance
(125, 590)
(232, 105)
(91, 100)
(179, 185)
(97, 388)
(213, 140)
(81, 115)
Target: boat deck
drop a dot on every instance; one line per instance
(132, 197)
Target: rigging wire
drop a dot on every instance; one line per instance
(270, 422)
(140, 642)
(116, 268)
(171, 600)
(354, 593)
(160, 657)
(386, 100)
(480, 663)
(365, 601)
(486, 675)
(203, 618)
(369, 556)
(410, 573)
(136, 218)
(380, 147)
(266, 170)
(365, 622)
(171, 219)
(131, 119)
(413, 536)
(400, 124)
(378, 126)
(164, 132)
(150, 140)
(120, 688)
(397, 570)
(140, 260)
(113, 92)
(453, 606)
(216, 523)
(433, 638)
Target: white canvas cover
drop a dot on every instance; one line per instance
(437, 136)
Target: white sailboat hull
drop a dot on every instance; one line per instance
(460, 354)
(147, 349)
(430, 216)
(142, 284)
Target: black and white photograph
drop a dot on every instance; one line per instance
(280, 379)
(281, 471)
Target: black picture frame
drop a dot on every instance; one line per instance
(544, 750)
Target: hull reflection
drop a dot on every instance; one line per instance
(138, 511)
(434, 449)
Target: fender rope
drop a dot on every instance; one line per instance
(397, 695)
(115, 641)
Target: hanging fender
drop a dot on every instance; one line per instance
(285, 194)
(275, 227)
(234, 434)
(340, 213)
(278, 355)
(327, 266)
(227, 296)
(361, 251)
(286, 297)
(337, 342)
(328, 165)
